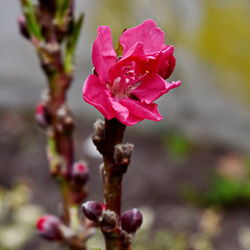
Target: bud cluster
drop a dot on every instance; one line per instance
(130, 220)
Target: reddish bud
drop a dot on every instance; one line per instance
(23, 27)
(41, 115)
(80, 173)
(49, 227)
(131, 220)
(93, 210)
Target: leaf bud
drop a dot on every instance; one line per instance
(123, 153)
(99, 131)
(109, 221)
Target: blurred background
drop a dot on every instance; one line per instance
(190, 172)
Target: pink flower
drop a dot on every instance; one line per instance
(125, 87)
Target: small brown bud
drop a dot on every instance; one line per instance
(99, 131)
(123, 153)
(109, 221)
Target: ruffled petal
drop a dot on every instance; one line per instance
(95, 93)
(121, 112)
(147, 32)
(133, 119)
(103, 53)
(142, 110)
(153, 87)
(135, 56)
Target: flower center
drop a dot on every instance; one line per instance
(127, 81)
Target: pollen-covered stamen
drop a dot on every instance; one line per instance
(129, 79)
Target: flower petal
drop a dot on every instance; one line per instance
(135, 55)
(133, 119)
(166, 62)
(142, 110)
(95, 93)
(121, 112)
(152, 88)
(103, 53)
(151, 36)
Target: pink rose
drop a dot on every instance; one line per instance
(125, 87)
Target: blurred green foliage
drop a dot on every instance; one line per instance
(223, 190)
(177, 145)
(227, 192)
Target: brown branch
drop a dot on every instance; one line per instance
(116, 157)
(53, 31)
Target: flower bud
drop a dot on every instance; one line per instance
(23, 27)
(131, 220)
(41, 115)
(93, 210)
(80, 173)
(49, 227)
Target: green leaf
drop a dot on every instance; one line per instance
(61, 10)
(71, 43)
(31, 20)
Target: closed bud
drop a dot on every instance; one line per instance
(109, 221)
(123, 153)
(41, 115)
(23, 27)
(49, 227)
(80, 173)
(99, 131)
(131, 220)
(93, 210)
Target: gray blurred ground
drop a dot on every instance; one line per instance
(197, 108)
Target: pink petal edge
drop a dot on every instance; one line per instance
(94, 93)
(142, 110)
(103, 53)
(147, 32)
